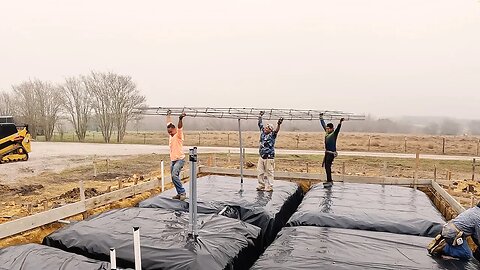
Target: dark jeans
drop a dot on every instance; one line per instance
(327, 163)
(175, 169)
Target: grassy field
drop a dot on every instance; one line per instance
(392, 143)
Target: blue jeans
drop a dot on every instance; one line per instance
(461, 252)
(175, 168)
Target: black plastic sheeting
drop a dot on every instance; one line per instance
(222, 242)
(369, 207)
(269, 211)
(35, 257)
(307, 247)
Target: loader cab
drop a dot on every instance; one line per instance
(7, 130)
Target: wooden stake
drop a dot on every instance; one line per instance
(199, 138)
(369, 142)
(472, 203)
(82, 191)
(94, 166)
(307, 167)
(405, 144)
(45, 205)
(417, 164)
(343, 171)
(435, 173)
(29, 208)
(108, 164)
(120, 184)
(228, 141)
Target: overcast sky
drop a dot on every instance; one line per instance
(385, 57)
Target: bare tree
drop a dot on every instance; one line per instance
(114, 98)
(7, 107)
(100, 92)
(78, 104)
(126, 98)
(25, 101)
(39, 106)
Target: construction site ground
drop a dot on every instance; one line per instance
(51, 177)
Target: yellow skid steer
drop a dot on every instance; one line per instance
(14, 143)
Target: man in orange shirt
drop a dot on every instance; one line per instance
(176, 155)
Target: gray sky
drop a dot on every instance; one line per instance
(389, 58)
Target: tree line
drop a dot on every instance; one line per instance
(105, 98)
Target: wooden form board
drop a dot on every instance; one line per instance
(31, 222)
(316, 176)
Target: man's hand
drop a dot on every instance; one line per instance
(321, 115)
(342, 119)
(169, 112)
(262, 113)
(182, 116)
(280, 121)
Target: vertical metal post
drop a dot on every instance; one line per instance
(241, 150)
(162, 169)
(113, 259)
(192, 228)
(136, 248)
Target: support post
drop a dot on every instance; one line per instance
(405, 144)
(473, 169)
(307, 167)
(241, 150)
(417, 164)
(192, 228)
(435, 173)
(162, 171)
(113, 259)
(443, 146)
(136, 248)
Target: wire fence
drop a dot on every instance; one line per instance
(361, 142)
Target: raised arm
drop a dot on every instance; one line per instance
(322, 122)
(280, 121)
(260, 120)
(180, 120)
(168, 119)
(337, 130)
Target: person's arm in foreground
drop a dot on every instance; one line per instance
(322, 122)
(260, 120)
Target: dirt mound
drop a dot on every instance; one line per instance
(4, 189)
(27, 189)
(74, 194)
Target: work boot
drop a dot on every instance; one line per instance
(437, 245)
(176, 197)
(269, 189)
(183, 197)
(328, 184)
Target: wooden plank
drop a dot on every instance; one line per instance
(315, 176)
(31, 222)
(456, 206)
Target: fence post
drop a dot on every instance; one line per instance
(443, 146)
(228, 139)
(144, 138)
(435, 173)
(298, 139)
(405, 144)
(199, 138)
(307, 167)
(473, 169)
